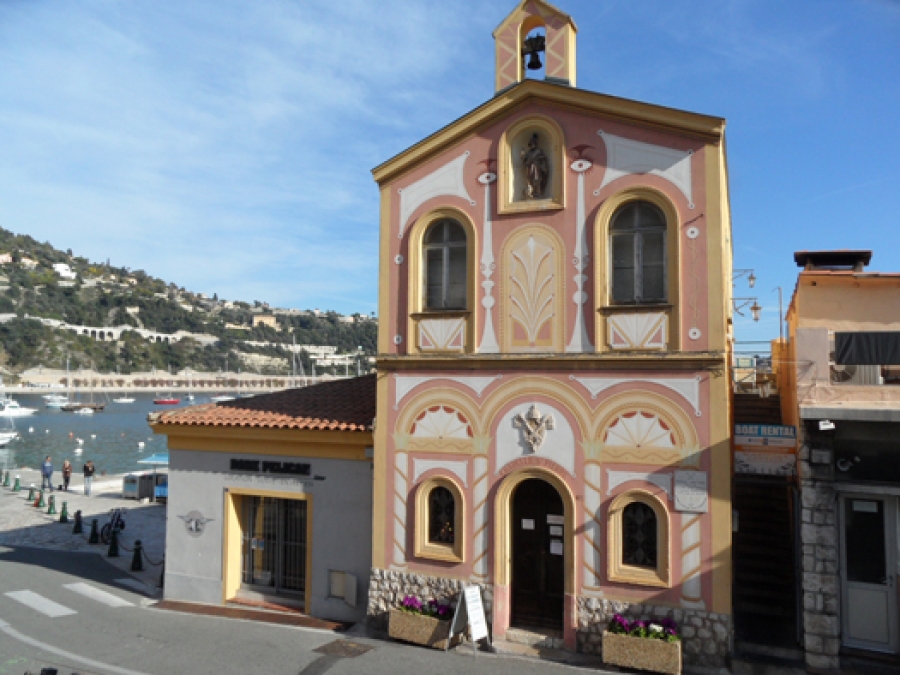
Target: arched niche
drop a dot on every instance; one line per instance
(513, 144)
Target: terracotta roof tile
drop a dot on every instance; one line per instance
(340, 405)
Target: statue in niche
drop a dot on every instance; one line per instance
(537, 169)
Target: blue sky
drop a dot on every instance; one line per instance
(227, 146)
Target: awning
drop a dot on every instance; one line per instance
(158, 459)
(869, 348)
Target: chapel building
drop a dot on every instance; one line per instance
(553, 404)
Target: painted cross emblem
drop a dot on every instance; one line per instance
(534, 426)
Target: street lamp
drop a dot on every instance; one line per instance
(741, 303)
(738, 273)
(755, 309)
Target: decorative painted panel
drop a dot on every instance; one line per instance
(580, 342)
(640, 429)
(533, 307)
(687, 387)
(638, 330)
(625, 156)
(512, 440)
(459, 469)
(401, 485)
(592, 524)
(406, 383)
(617, 478)
(441, 422)
(447, 181)
(480, 511)
(691, 562)
(488, 338)
(442, 335)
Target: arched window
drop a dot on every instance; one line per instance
(441, 509)
(439, 520)
(444, 253)
(638, 252)
(639, 535)
(638, 542)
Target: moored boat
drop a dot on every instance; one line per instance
(76, 407)
(166, 400)
(11, 408)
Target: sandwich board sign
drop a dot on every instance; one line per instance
(469, 612)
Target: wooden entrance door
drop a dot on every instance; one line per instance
(538, 560)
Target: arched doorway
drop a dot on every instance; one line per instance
(538, 556)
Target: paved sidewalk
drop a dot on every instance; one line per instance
(21, 524)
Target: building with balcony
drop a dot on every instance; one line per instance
(838, 382)
(554, 330)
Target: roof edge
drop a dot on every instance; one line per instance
(706, 127)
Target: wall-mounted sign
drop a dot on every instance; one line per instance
(195, 523)
(691, 494)
(259, 466)
(765, 449)
(765, 438)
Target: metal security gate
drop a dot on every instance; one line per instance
(273, 545)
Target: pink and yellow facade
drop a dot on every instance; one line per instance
(553, 347)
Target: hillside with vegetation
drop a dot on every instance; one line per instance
(103, 295)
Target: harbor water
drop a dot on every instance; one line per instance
(115, 439)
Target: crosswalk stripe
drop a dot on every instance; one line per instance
(96, 594)
(40, 603)
(134, 583)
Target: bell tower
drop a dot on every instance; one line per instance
(516, 52)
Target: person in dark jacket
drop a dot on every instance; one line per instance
(88, 477)
(67, 474)
(47, 474)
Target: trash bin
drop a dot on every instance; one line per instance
(130, 487)
(161, 492)
(145, 486)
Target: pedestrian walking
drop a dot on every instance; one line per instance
(88, 477)
(47, 474)
(67, 474)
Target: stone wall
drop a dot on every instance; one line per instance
(819, 538)
(387, 589)
(706, 636)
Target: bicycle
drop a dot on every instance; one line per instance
(116, 524)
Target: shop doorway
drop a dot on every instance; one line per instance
(538, 559)
(868, 572)
(274, 546)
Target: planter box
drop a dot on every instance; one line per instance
(656, 656)
(421, 630)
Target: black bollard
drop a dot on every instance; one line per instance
(64, 514)
(162, 574)
(30, 497)
(95, 533)
(113, 551)
(17, 486)
(79, 526)
(137, 564)
(51, 509)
